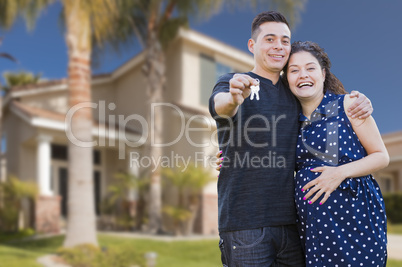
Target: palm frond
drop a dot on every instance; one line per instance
(28, 9)
(291, 9)
(8, 56)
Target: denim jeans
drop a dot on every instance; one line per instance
(262, 247)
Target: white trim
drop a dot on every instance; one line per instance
(120, 71)
(43, 164)
(47, 124)
(101, 80)
(216, 46)
(136, 60)
(35, 91)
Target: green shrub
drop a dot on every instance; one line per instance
(393, 207)
(91, 256)
(119, 207)
(189, 182)
(12, 192)
(14, 236)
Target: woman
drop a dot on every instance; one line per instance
(340, 206)
(342, 219)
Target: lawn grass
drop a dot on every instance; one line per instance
(204, 253)
(201, 253)
(24, 254)
(15, 257)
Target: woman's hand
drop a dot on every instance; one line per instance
(219, 160)
(326, 183)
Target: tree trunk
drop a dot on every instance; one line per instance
(154, 69)
(81, 225)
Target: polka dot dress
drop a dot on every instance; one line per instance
(349, 229)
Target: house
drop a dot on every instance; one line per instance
(390, 178)
(35, 118)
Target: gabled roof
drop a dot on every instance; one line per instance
(34, 112)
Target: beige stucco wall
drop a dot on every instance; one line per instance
(103, 95)
(17, 132)
(174, 72)
(130, 93)
(11, 129)
(190, 75)
(28, 162)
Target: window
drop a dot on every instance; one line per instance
(97, 157)
(210, 72)
(222, 69)
(387, 183)
(60, 152)
(3, 144)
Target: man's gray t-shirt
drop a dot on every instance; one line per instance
(256, 182)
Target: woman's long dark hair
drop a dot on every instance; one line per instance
(331, 83)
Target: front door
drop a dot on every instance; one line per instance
(62, 174)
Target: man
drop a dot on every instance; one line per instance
(257, 215)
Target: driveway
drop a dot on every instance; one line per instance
(395, 247)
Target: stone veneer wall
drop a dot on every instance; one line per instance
(209, 214)
(47, 214)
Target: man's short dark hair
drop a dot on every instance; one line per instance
(263, 17)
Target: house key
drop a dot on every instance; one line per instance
(254, 90)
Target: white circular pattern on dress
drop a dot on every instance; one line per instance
(351, 222)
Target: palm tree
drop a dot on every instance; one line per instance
(155, 23)
(9, 57)
(85, 21)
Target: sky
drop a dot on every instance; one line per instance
(363, 39)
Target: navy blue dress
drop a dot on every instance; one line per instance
(349, 229)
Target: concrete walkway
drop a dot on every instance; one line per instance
(161, 237)
(50, 261)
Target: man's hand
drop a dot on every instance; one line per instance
(361, 108)
(240, 87)
(227, 104)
